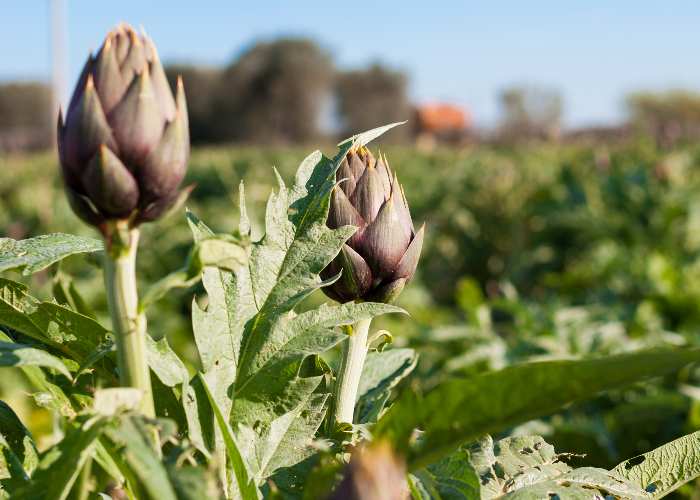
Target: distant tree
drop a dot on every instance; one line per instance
(668, 116)
(200, 85)
(530, 112)
(26, 121)
(371, 97)
(274, 92)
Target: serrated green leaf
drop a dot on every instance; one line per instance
(381, 372)
(244, 480)
(463, 409)
(130, 445)
(585, 483)
(60, 465)
(666, 468)
(286, 441)
(12, 354)
(251, 342)
(270, 373)
(35, 254)
(218, 327)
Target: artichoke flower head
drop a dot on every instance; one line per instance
(382, 255)
(124, 142)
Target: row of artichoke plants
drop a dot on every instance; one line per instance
(266, 413)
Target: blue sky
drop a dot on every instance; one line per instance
(458, 51)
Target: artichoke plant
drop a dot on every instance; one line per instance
(382, 255)
(124, 144)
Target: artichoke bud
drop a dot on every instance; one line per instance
(382, 255)
(124, 142)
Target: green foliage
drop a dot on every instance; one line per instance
(666, 468)
(35, 254)
(499, 399)
(612, 267)
(524, 467)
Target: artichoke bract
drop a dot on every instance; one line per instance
(124, 144)
(382, 255)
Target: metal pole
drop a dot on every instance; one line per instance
(59, 64)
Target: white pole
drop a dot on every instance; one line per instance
(59, 64)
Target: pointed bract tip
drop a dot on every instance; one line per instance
(90, 82)
(134, 37)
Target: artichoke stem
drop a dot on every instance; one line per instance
(128, 325)
(350, 372)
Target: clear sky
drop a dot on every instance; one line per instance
(593, 51)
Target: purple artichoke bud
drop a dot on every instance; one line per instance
(382, 255)
(124, 144)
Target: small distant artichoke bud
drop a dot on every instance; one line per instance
(382, 255)
(374, 473)
(124, 144)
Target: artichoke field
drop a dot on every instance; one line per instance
(285, 394)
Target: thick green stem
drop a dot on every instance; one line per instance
(348, 382)
(129, 327)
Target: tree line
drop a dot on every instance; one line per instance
(289, 90)
(282, 91)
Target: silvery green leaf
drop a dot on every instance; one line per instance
(264, 375)
(666, 468)
(523, 467)
(245, 483)
(381, 373)
(286, 441)
(34, 254)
